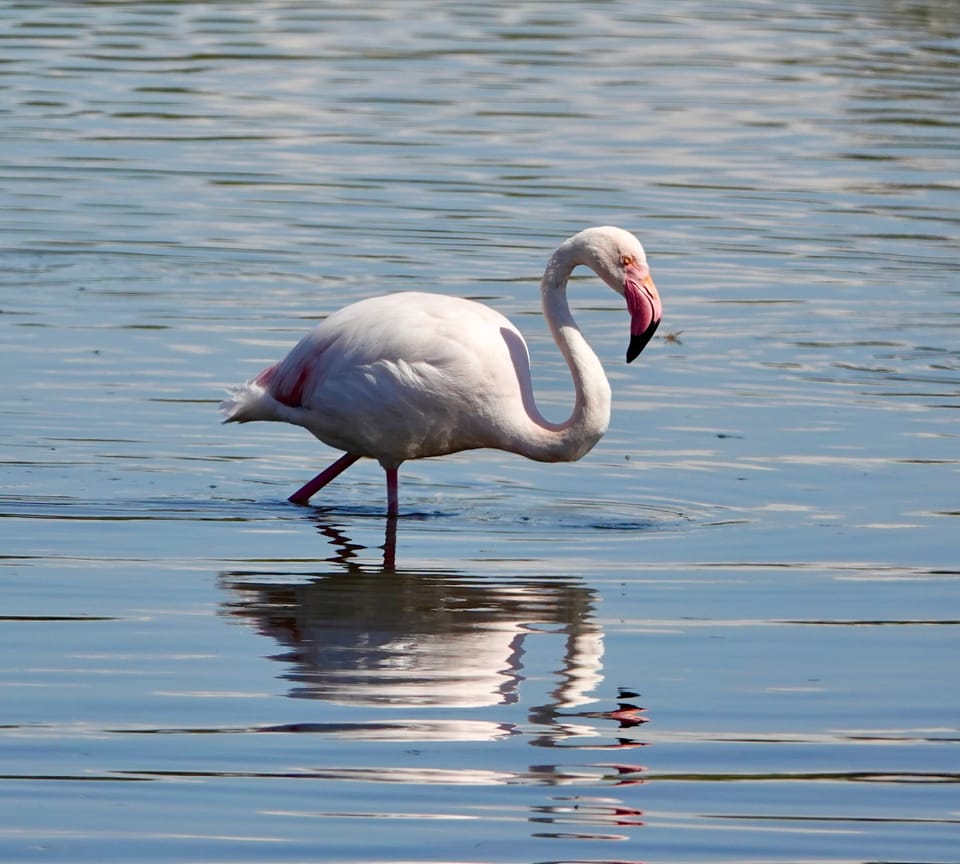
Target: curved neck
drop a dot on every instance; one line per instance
(575, 437)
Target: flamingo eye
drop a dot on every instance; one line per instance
(627, 260)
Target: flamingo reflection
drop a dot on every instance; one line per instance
(384, 636)
(362, 635)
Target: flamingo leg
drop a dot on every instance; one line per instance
(392, 496)
(308, 490)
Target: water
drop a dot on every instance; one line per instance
(728, 634)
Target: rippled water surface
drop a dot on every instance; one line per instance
(729, 634)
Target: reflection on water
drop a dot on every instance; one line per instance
(387, 637)
(392, 637)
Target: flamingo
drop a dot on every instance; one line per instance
(412, 374)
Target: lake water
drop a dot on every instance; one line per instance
(729, 634)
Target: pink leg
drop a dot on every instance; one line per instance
(392, 496)
(308, 490)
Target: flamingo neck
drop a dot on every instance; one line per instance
(576, 436)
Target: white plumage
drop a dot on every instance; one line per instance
(412, 375)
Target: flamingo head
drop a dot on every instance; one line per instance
(618, 258)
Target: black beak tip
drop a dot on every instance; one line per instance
(638, 341)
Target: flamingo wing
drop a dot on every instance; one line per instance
(397, 377)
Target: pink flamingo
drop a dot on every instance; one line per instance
(412, 375)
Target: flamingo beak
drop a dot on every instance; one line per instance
(643, 303)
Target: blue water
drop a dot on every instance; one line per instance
(729, 634)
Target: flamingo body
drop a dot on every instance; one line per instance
(412, 374)
(367, 381)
